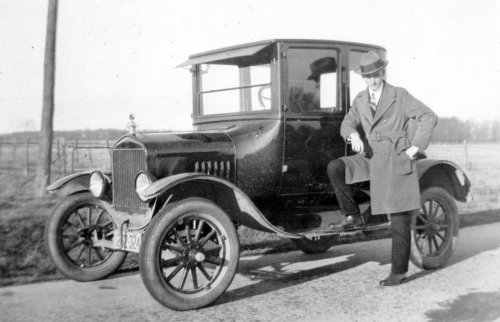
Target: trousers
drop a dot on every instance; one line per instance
(400, 222)
(401, 241)
(343, 192)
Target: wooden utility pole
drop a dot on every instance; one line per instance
(46, 133)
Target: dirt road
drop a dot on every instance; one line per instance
(340, 285)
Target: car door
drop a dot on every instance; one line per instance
(313, 113)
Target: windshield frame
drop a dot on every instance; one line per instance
(272, 52)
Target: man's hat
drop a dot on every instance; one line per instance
(370, 63)
(322, 66)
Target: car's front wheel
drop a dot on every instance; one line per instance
(434, 229)
(72, 233)
(189, 254)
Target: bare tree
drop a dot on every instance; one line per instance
(46, 132)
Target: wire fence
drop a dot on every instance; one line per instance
(68, 156)
(71, 156)
(19, 158)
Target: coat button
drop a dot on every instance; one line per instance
(385, 121)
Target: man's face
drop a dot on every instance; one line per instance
(375, 80)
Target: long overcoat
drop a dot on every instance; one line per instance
(393, 176)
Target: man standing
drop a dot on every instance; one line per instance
(377, 127)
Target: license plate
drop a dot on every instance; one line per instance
(131, 241)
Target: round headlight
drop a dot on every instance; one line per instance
(142, 181)
(98, 184)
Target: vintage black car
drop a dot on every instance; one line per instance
(266, 122)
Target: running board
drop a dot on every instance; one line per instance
(331, 232)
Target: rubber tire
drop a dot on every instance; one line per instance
(54, 245)
(149, 253)
(448, 203)
(309, 246)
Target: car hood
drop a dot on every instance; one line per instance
(177, 152)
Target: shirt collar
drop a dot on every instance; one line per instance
(379, 90)
(377, 93)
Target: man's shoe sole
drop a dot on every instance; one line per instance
(393, 282)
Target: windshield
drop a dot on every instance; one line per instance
(230, 87)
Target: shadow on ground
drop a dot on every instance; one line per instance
(276, 246)
(279, 246)
(271, 274)
(480, 218)
(475, 306)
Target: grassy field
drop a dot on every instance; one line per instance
(23, 257)
(481, 163)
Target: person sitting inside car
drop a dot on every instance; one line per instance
(311, 100)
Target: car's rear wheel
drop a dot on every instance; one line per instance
(189, 254)
(76, 224)
(434, 229)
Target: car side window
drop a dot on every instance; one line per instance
(356, 83)
(312, 80)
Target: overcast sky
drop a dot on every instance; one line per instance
(117, 57)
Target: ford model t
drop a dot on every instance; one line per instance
(266, 119)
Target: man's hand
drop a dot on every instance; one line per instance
(411, 151)
(356, 143)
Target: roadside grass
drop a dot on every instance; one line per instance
(24, 259)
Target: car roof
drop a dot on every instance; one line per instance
(273, 41)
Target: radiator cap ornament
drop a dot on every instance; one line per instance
(131, 125)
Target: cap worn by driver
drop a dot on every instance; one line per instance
(322, 66)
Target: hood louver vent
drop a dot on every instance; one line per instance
(221, 169)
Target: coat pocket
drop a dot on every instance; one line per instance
(401, 145)
(404, 163)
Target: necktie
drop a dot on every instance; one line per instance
(373, 102)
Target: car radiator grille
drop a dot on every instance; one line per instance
(126, 164)
(221, 169)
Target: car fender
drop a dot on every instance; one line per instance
(71, 184)
(245, 212)
(446, 174)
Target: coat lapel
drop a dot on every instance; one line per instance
(386, 100)
(365, 108)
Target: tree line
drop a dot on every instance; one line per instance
(454, 130)
(94, 135)
(448, 130)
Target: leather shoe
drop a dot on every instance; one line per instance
(394, 279)
(350, 222)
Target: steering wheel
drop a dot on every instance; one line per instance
(262, 97)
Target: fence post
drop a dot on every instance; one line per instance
(1, 147)
(466, 154)
(14, 148)
(109, 149)
(90, 156)
(58, 147)
(64, 156)
(27, 170)
(74, 154)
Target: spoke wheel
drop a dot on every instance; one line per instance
(434, 229)
(315, 245)
(76, 224)
(189, 254)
